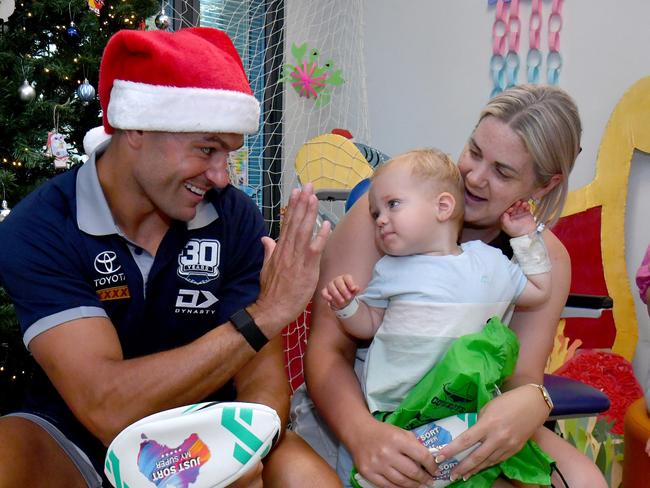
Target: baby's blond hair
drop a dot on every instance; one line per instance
(438, 170)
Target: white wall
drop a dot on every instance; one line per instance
(427, 79)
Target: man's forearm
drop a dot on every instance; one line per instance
(107, 392)
(264, 380)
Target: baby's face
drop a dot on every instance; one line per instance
(404, 212)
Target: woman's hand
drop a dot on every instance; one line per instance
(503, 426)
(390, 457)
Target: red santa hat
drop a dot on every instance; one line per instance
(191, 80)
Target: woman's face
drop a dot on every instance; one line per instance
(497, 170)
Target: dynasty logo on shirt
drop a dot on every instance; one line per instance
(195, 302)
(198, 262)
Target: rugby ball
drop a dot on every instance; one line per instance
(434, 436)
(207, 445)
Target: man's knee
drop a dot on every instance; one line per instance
(29, 456)
(294, 463)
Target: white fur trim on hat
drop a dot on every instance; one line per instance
(142, 106)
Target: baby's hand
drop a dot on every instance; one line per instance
(340, 291)
(647, 448)
(517, 220)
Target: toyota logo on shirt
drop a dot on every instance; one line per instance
(105, 262)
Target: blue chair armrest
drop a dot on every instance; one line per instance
(573, 398)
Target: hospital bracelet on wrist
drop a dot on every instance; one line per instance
(349, 310)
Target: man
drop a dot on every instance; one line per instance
(136, 277)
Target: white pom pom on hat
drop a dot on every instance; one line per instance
(94, 137)
(191, 80)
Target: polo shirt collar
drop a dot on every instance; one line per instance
(94, 217)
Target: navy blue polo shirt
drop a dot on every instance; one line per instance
(64, 258)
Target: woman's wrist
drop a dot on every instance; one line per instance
(544, 394)
(357, 429)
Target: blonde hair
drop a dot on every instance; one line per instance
(547, 121)
(438, 170)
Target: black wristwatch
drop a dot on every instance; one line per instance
(247, 327)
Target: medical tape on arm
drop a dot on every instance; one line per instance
(531, 253)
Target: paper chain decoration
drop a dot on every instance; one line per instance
(506, 29)
(308, 78)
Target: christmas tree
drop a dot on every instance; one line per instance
(50, 52)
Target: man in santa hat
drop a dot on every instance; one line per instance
(143, 280)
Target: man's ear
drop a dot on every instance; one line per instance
(446, 204)
(133, 138)
(555, 180)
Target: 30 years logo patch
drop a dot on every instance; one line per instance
(198, 262)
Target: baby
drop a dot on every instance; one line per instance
(428, 290)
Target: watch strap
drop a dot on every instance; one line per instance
(246, 326)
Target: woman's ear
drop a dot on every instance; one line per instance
(555, 180)
(446, 204)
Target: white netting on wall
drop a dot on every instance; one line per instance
(282, 42)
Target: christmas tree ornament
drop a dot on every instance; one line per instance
(95, 5)
(5, 210)
(86, 92)
(7, 8)
(27, 92)
(162, 21)
(72, 32)
(57, 148)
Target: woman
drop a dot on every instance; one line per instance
(523, 148)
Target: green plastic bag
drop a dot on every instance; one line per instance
(463, 381)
